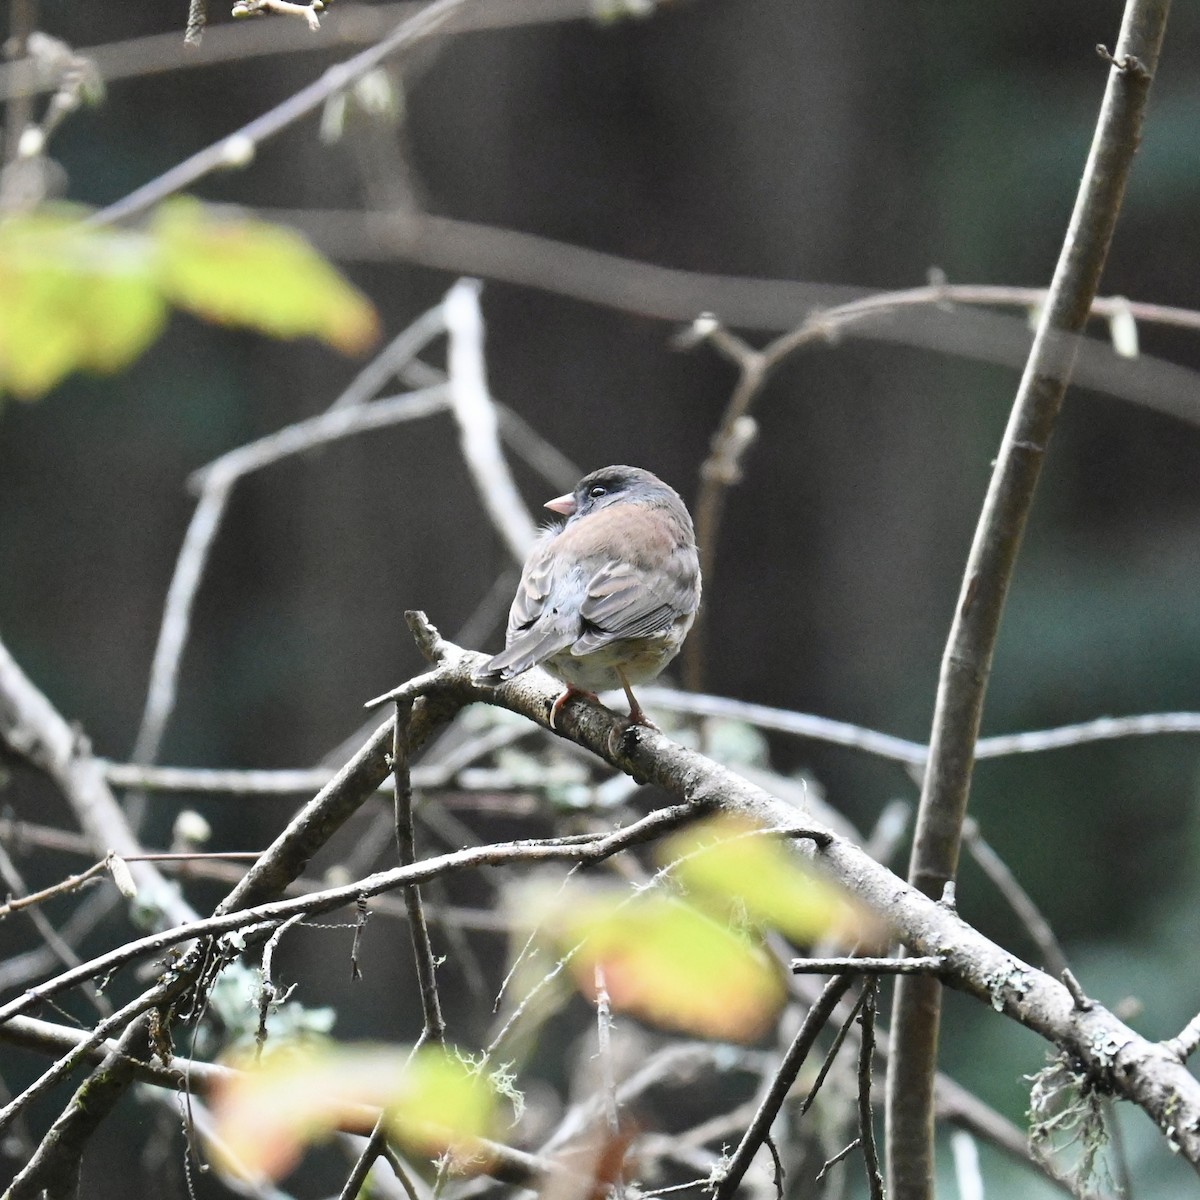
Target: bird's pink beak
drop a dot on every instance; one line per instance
(562, 504)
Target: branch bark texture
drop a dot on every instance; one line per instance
(1112, 1055)
(967, 661)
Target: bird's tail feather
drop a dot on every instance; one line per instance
(527, 651)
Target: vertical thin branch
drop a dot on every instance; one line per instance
(197, 18)
(968, 656)
(721, 471)
(435, 1026)
(434, 1029)
(608, 1079)
(604, 1051)
(22, 20)
(269, 994)
(177, 614)
(866, 1118)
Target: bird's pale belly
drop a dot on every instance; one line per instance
(640, 659)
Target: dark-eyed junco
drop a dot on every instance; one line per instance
(607, 598)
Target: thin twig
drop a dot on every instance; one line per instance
(1019, 900)
(431, 1005)
(604, 1051)
(814, 1021)
(1186, 1042)
(392, 360)
(840, 1156)
(268, 993)
(866, 1120)
(158, 53)
(172, 637)
(326, 427)
(966, 663)
(233, 148)
(27, 900)
(830, 1057)
(874, 966)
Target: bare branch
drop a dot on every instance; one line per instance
(1186, 1042)
(944, 318)
(478, 426)
(967, 661)
(866, 1121)
(1019, 900)
(342, 26)
(431, 1006)
(872, 966)
(814, 1021)
(34, 729)
(234, 148)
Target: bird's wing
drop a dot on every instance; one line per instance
(634, 600)
(535, 633)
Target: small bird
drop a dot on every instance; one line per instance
(607, 598)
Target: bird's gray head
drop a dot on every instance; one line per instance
(610, 485)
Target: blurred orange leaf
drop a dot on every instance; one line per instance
(266, 1115)
(236, 270)
(665, 961)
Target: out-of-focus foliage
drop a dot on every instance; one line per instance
(72, 299)
(696, 964)
(660, 959)
(743, 871)
(435, 1102)
(238, 271)
(76, 297)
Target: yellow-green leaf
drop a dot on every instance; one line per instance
(265, 1115)
(236, 270)
(735, 867)
(72, 298)
(665, 961)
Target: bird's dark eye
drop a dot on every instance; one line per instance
(597, 492)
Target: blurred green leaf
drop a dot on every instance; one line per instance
(71, 298)
(236, 270)
(739, 868)
(74, 297)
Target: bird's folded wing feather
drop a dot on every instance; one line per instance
(627, 601)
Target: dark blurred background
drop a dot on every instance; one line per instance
(861, 144)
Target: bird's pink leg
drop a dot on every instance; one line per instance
(636, 715)
(567, 696)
